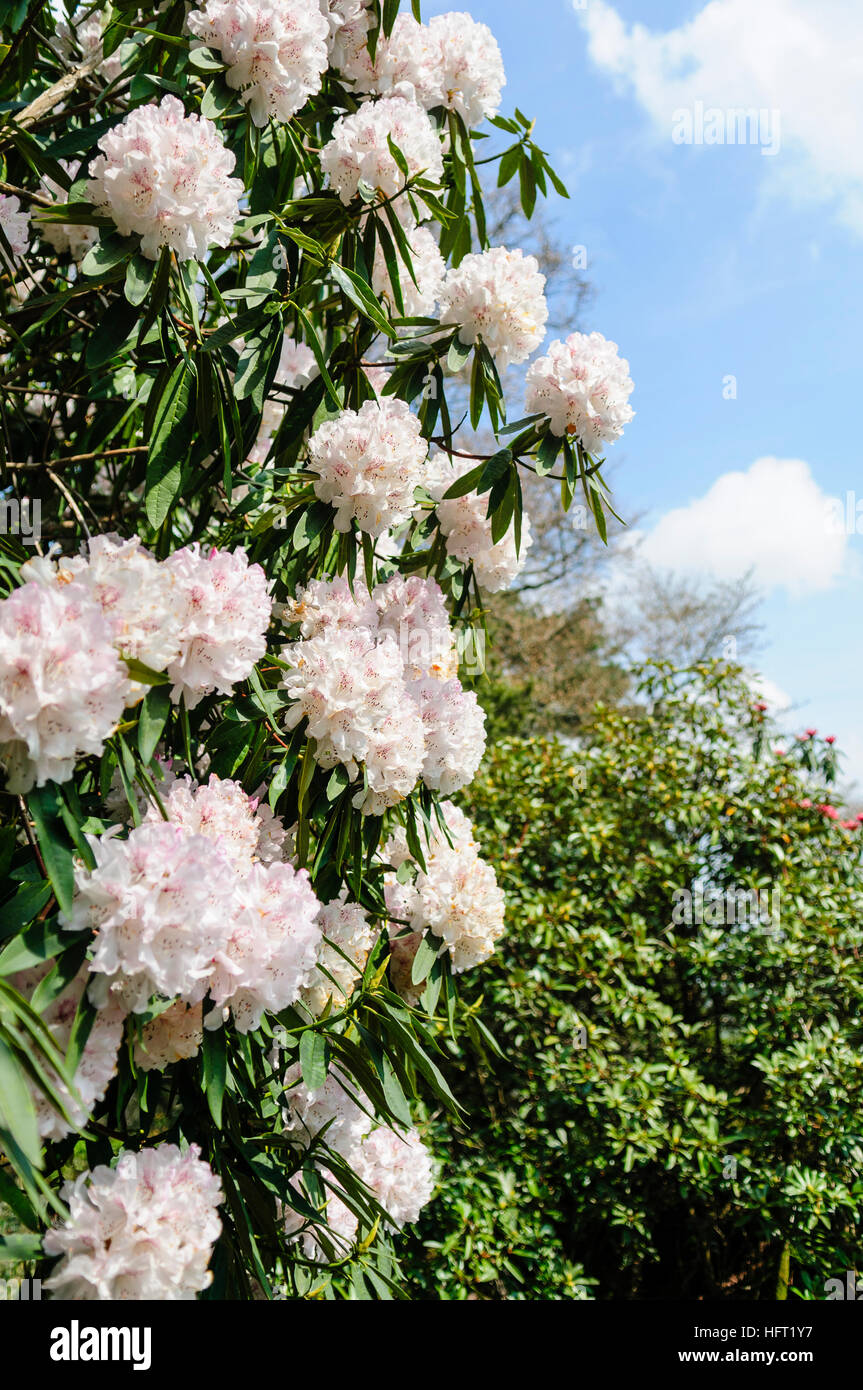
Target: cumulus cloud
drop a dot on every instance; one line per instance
(773, 519)
(801, 59)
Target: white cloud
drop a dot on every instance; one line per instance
(777, 700)
(773, 520)
(801, 58)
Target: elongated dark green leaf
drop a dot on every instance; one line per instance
(153, 716)
(17, 1111)
(361, 294)
(215, 1059)
(44, 804)
(173, 424)
(314, 1059)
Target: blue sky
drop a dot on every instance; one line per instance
(711, 261)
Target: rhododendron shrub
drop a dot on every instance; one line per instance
(247, 292)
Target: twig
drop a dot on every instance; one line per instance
(81, 458)
(57, 92)
(29, 833)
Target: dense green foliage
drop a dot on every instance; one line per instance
(678, 1109)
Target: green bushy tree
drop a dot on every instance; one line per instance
(677, 1109)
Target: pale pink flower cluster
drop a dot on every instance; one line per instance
(420, 298)
(173, 1036)
(200, 616)
(583, 386)
(137, 595)
(359, 151)
(364, 678)
(397, 1167)
(341, 1225)
(369, 464)
(144, 1229)
(456, 898)
(346, 931)
(67, 238)
(62, 685)
(276, 51)
(414, 610)
(349, 686)
(98, 1061)
(15, 224)
(454, 727)
(224, 615)
(497, 296)
(84, 33)
(336, 1111)
(349, 22)
(188, 907)
(243, 827)
(467, 528)
(165, 176)
(452, 61)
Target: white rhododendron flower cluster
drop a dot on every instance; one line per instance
(83, 34)
(363, 678)
(243, 827)
(497, 296)
(420, 294)
(349, 686)
(369, 464)
(359, 151)
(67, 238)
(224, 614)
(397, 1167)
(456, 897)
(468, 530)
(173, 1036)
(583, 386)
(62, 685)
(188, 907)
(345, 932)
(144, 1229)
(165, 177)
(137, 595)
(452, 61)
(454, 727)
(276, 50)
(98, 1062)
(15, 224)
(202, 618)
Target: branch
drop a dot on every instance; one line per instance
(57, 92)
(30, 466)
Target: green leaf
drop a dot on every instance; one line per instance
(17, 1111)
(424, 959)
(361, 294)
(110, 335)
(107, 253)
(139, 278)
(459, 354)
(173, 424)
(44, 805)
(153, 716)
(314, 1058)
(215, 1069)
